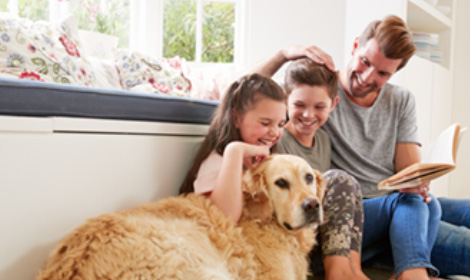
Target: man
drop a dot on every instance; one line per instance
(373, 131)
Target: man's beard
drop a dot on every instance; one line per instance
(352, 77)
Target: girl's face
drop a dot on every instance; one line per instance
(308, 107)
(263, 123)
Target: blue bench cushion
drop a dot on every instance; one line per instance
(32, 98)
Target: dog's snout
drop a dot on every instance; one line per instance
(310, 206)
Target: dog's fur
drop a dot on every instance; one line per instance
(187, 237)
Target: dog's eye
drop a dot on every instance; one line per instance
(282, 184)
(309, 178)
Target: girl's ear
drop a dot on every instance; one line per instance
(236, 118)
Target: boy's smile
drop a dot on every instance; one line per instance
(308, 108)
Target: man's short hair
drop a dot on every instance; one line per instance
(395, 39)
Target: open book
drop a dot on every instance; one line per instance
(439, 160)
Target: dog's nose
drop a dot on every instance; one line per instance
(310, 206)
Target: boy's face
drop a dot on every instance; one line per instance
(308, 108)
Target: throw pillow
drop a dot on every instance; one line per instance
(43, 51)
(139, 72)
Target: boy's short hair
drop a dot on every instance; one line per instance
(305, 71)
(395, 39)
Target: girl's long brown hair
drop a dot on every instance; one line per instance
(241, 96)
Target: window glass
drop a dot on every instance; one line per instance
(218, 32)
(4, 5)
(105, 16)
(180, 24)
(179, 29)
(33, 9)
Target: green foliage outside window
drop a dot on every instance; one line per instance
(179, 30)
(33, 9)
(4, 5)
(114, 20)
(218, 32)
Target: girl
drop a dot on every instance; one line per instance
(246, 126)
(311, 91)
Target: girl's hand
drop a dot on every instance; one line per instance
(422, 190)
(255, 154)
(251, 153)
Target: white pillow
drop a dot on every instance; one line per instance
(98, 45)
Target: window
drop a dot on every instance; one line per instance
(32, 9)
(110, 17)
(4, 5)
(199, 30)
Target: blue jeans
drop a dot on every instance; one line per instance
(406, 224)
(451, 252)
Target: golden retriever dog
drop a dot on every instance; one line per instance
(187, 237)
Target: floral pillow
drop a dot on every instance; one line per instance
(139, 72)
(43, 51)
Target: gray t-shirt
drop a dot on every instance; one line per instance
(364, 139)
(318, 156)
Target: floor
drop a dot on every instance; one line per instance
(378, 274)
(374, 274)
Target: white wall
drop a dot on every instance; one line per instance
(460, 178)
(273, 24)
(359, 13)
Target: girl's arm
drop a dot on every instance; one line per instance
(227, 193)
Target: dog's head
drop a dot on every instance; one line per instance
(284, 187)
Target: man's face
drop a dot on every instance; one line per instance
(369, 69)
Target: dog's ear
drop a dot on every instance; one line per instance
(256, 198)
(320, 185)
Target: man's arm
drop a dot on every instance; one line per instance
(272, 64)
(405, 155)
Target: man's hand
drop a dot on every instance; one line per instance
(313, 52)
(422, 190)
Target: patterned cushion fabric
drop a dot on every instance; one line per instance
(43, 51)
(143, 73)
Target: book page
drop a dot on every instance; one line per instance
(444, 148)
(439, 160)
